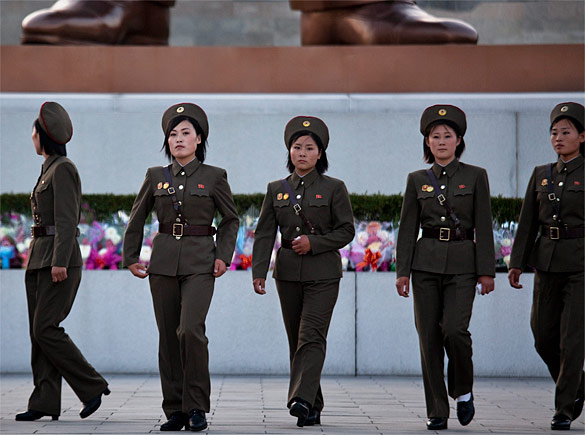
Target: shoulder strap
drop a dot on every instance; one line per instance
(551, 193)
(297, 206)
(176, 204)
(443, 201)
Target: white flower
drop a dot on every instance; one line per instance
(85, 251)
(506, 242)
(507, 260)
(362, 238)
(103, 251)
(145, 253)
(113, 236)
(344, 262)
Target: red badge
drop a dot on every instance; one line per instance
(462, 186)
(318, 196)
(201, 186)
(577, 183)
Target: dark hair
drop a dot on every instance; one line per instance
(428, 155)
(322, 164)
(48, 145)
(201, 148)
(578, 126)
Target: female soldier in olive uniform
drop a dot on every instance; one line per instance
(315, 218)
(451, 202)
(553, 206)
(185, 260)
(53, 274)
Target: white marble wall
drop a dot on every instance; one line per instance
(375, 139)
(372, 331)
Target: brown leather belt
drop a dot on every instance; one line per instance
(49, 230)
(447, 234)
(556, 233)
(286, 243)
(180, 230)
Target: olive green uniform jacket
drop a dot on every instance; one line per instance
(58, 198)
(466, 188)
(564, 255)
(326, 204)
(202, 190)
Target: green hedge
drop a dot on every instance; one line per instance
(365, 207)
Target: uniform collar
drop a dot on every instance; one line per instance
(577, 162)
(451, 168)
(189, 168)
(49, 161)
(308, 179)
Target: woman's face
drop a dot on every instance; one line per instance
(304, 154)
(183, 141)
(565, 139)
(36, 141)
(443, 142)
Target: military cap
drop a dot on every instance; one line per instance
(185, 109)
(573, 111)
(55, 121)
(306, 123)
(443, 112)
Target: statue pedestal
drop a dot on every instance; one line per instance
(328, 69)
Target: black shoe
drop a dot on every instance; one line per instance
(313, 418)
(32, 415)
(177, 421)
(93, 405)
(560, 422)
(437, 423)
(578, 406)
(465, 412)
(299, 409)
(197, 420)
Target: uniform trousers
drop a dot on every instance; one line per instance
(53, 354)
(307, 308)
(442, 312)
(557, 326)
(181, 304)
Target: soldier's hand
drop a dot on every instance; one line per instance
(260, 286)
(138, 270)
(58, 274)
(219, 268)
(487, 284)
(514, 277)
(403, 286)
(301, 245)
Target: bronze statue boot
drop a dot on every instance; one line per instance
(382, 23)
(108, 22)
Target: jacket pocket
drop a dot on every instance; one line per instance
(461, 191)
(199, 192)
(282, 203)
(425, 195)
(161, 192)
(575, 188)
(318, 202)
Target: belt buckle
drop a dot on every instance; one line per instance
(442, 236)
(553, 233)
(552, 196)
(297, 208)
(441, 199)
(177, 234)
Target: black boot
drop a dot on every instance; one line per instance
(93, 405)
(313, 418)
(197, 420)
(300, 409)
(32, 415)
(177, 421)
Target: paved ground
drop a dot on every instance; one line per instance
(256, 405)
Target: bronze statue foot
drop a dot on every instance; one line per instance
(107, 22)
(382, 23)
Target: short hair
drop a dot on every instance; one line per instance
(322, 164)
(48, 145)
(201, 148)
(428, 155)
(578, 126)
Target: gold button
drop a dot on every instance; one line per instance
(444, 173)
(298, 196)
(298, 229)
(306, 123)
(180, 187)
(182, 172)
(561, 183)
(443, 219)
(442, 112)
(564, 108)
(302, 182)
(180, 109)
(178, 220)
(442, 187)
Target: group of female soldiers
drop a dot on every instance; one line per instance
(445, 244)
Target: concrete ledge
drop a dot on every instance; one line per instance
(448, 68)
(372, 331)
